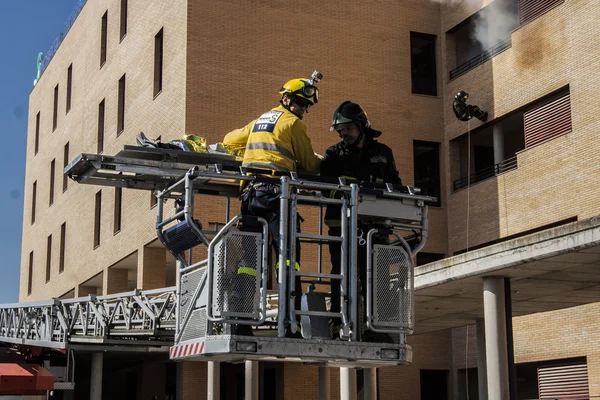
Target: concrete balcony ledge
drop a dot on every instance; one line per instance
(548, 270)
(576, 237)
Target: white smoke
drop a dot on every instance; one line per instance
(490, 24)
(495, 23)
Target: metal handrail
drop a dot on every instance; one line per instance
(504, 166)
(481, 58)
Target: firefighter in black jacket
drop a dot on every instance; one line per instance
(361, 158)
(465, 111)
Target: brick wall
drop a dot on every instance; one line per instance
(163, 115)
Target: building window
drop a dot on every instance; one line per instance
(123, 29)
(33, 201)
(97, 218)
(63, 238)
(426, 157)
(55, 114)
(101, 127)
(103, 39)
(426, 258)
(36, 145)
(121, 110)
(422, 62)
(481, 36)
(30, 277)
(52, 173)
(69, 86)
(158, 62)
(153, 200)
(65, 163)
(48, 258)
(434, 384)
(117, 211)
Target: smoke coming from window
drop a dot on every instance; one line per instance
(488, 25)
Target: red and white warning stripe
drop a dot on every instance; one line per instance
(186, 350)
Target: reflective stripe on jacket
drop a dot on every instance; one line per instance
(276, 140)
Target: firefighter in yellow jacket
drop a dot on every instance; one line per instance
(277, 141)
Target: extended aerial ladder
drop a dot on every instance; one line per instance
(212, 295)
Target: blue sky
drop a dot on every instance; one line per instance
(27, 27)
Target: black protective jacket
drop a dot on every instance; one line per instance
(461, 109)
(374, 162)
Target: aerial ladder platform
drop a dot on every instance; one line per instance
(212, 297)
(199, 318)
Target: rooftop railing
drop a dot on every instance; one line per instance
(47, 57)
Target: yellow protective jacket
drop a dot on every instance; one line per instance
(277, 140)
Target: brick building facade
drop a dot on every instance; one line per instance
(222, 65)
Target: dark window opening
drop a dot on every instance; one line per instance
(48, 258)
(101, 127)
(493, 151)
(123, 27)
(158, 62)
(427, 169)
(36, 145)
(30, 277)
(422, 61)
(65, 179)
(55, 113)
(424, 257)
(33, 201)
(63, 238)
(52, 173)
(69, 87)
(121, 110)
(520, 234)
(482, 36)
(103, 39)
(117, 211)
(97, 218)
(467, 385)
(434, 384)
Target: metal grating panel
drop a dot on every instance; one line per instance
(196, 326)
(547, 121)
(532, 9)
(392, 288)
(564, 382)
(237, 275)
(189, 284)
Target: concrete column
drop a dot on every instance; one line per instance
(152, 265)
(495, 338)
(481, 363)
(251, 388)
(116, 281)
(370, 383)
(324, 388)
(214, 380)
(96, 376)
(347, 384)
(498, 137)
